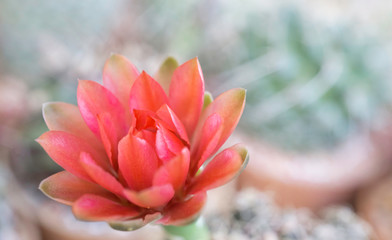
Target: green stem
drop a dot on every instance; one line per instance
(196, 230)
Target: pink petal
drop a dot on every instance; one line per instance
(100, 176)
(137, 161)
(66, 188)
(152, 197)
(97, 208)
(172, 122)
(222, 169)
(94, 99)
(209, 139)
(229, 106)
(183, 212)
(119, 74)
(147, 135)
(165, 73)
(60, 116)
(65, 148)
(109, 136)
(174, 172)
(186, 93)
(167, 144)
(147, 94)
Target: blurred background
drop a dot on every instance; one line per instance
(317, 119)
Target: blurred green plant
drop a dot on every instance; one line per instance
(310, 83)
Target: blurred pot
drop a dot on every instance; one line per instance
(375, 205)
(318, 179)
(19, 221)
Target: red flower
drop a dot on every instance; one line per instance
(134, 153)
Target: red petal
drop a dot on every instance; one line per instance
(97, 208)
(60, 116)
(144, 119)
(167, 144)
(119, 74)
(66, 188)
(174, 172)
(222, 168)
(209, 139)
(152, 197)
(165, 73)
(100, 176)
(147, 94)
(137, 161)
(229, 106)
(184, 212)
(94, 99)
(186, 93)
(172, 122)
(65, 148)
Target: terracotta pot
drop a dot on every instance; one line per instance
(317, 179)
(375, 205)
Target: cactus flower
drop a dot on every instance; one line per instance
(137, 150)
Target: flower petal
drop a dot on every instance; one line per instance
(135, 224)
(183, 212)
(60, 116)
(147, 94)
(109, 136)
(94, 99)
(209, 139)
(174, 172)
(144, 119)
(172, 122)
(167, 144)
(91, 207)
(165, 73)
(222, 169)
(186, 93)
(152, 197)
(119, 74)
(229, 106)
(137, 162)
(65, 148)
(207, 99)
(66, 188)
(100, 176)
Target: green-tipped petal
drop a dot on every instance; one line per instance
(186, 93)
(222, 169)
(119, 74)
(135, 224)
(60, 116)
(207, 99)
(66, 188)
(165, 73)
(229, 106)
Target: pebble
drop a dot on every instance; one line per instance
(254, 216)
